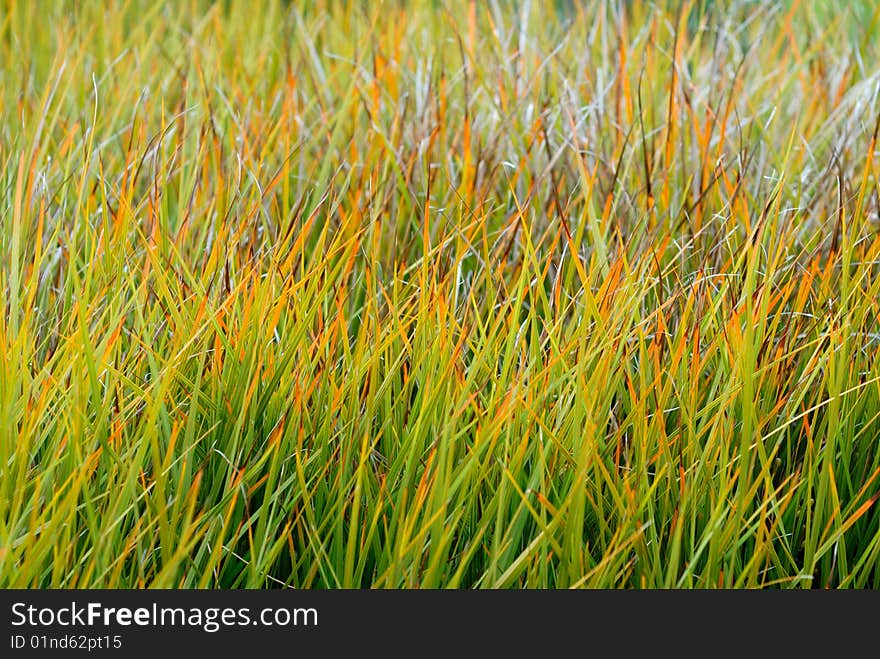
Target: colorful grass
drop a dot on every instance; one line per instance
(439, 294)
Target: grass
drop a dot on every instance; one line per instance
(439, 294)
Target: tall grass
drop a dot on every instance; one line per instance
(439, 294)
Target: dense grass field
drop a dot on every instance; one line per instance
(439, 294)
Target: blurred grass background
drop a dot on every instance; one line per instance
(439, 294)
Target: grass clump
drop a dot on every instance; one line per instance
(446, 294)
